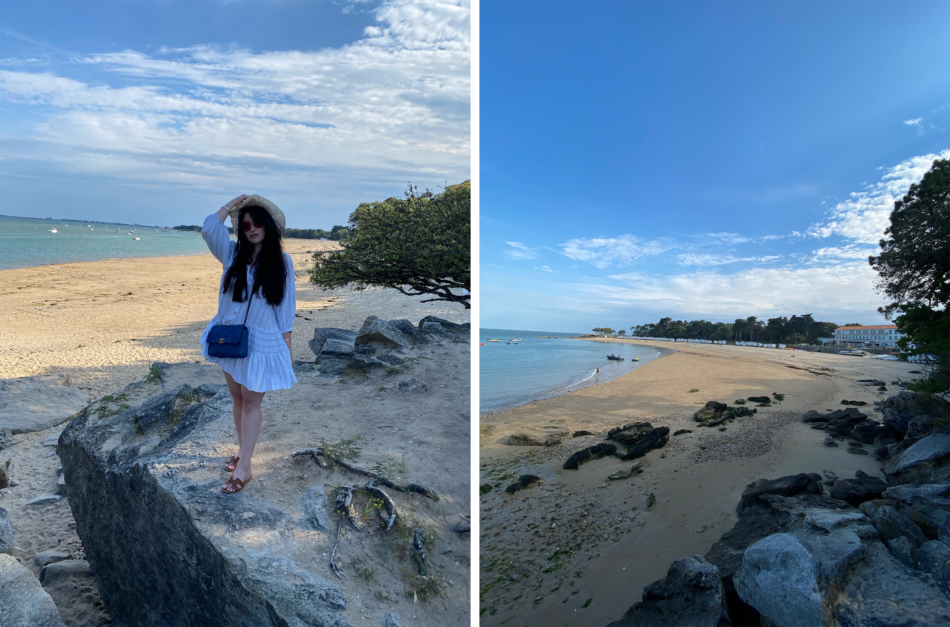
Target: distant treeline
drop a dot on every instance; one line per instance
(337, 233)
(795, 330)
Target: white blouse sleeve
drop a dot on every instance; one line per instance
(288, 308)
(216, 237)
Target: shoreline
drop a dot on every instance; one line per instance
(580, 385)
(579, 548)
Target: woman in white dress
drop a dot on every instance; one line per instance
(257, 290)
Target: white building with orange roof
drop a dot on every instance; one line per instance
(880, 335)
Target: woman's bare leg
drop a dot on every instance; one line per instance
(251, 418)
(237, 404)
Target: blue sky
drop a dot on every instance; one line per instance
(699, 160)
(159, 112)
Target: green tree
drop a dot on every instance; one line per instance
(914, 269)
(418, 245)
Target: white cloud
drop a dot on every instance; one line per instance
(918, 122)
(393, 105)
(849, 252)
(865, 215)
(729, 238)
(604, 252)
(847, 287)
(546, 269)
(703, 259)
(520, 251)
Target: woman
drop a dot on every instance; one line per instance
(257, 290)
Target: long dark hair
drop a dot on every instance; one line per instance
(271, 271)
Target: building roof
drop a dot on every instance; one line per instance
(875, 326)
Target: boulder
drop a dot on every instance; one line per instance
(926, 505)
(903, 550)
(891, 524)
(813, 416)
(447, 325)
(23, 602)
(759, 399)
(690, 594)
(148, 509)
(754, 524)
(332, 367)
(640, 438)
(901, 408)
(842, 422)
(322, 334)
(710, 411)
(523, 483)
(867, 431)
(934, 557)
(784, 486)
(857, 490)
(383, 334)
(48, 557)
(919, 426)
(590, 453)
(6, 533)
(581, 433)
(68, 569)
(927, 461)
(36, 403)
(337, 349)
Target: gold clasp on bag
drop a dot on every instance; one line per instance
(221, 341)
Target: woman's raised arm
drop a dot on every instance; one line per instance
(215, 234)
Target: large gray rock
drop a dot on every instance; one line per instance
(867, 431)
(926, 505)
(35, 403)
(363, 364)
(829, 567)
(322, 334)
(891, 524)
(640, 438)
(163, 540)
(857, 490)
(68, 569)
(6, 533)
(337, 349)
(383, 334)
(926, 462)
(934, 557)
(791, 485)
(23, 602)
(690, 594)
(447, 325)
(899, 410)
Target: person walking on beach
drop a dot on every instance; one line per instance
(257, 287)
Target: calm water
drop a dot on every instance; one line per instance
(512, 374)
(27, 242)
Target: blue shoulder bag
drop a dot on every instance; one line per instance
(229, 340)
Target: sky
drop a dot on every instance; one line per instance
(694, 160)
(160, 111)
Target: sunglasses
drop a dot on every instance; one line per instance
(247, 226)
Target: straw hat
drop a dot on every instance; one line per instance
(258, 201)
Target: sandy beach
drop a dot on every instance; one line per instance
(100, 325)
(578, 549)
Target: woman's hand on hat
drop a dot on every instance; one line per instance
(237, 201)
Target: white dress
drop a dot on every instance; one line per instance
(267, 365)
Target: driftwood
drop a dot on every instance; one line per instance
(420, 551)
(336, 569)
(344, 503)
(317, 453)
(387, 502)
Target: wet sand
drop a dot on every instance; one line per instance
(578, 549)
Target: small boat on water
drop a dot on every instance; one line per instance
(614, 357)
(494, 340)
(53, 230)
(514, 341)
(634, 359)
(136, 238)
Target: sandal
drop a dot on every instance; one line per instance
(231, 464)
(235, 485)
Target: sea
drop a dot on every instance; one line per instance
(547, 363)
(26, 242)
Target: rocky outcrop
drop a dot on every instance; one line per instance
(547, 435)
(447, 326)
(639, 438)
(715, 413)
(927, 461)
(903, 407)
(35, 403)
(23, 602)
(690, 594)
(582, 456)
(160, 536)
(927, 505)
